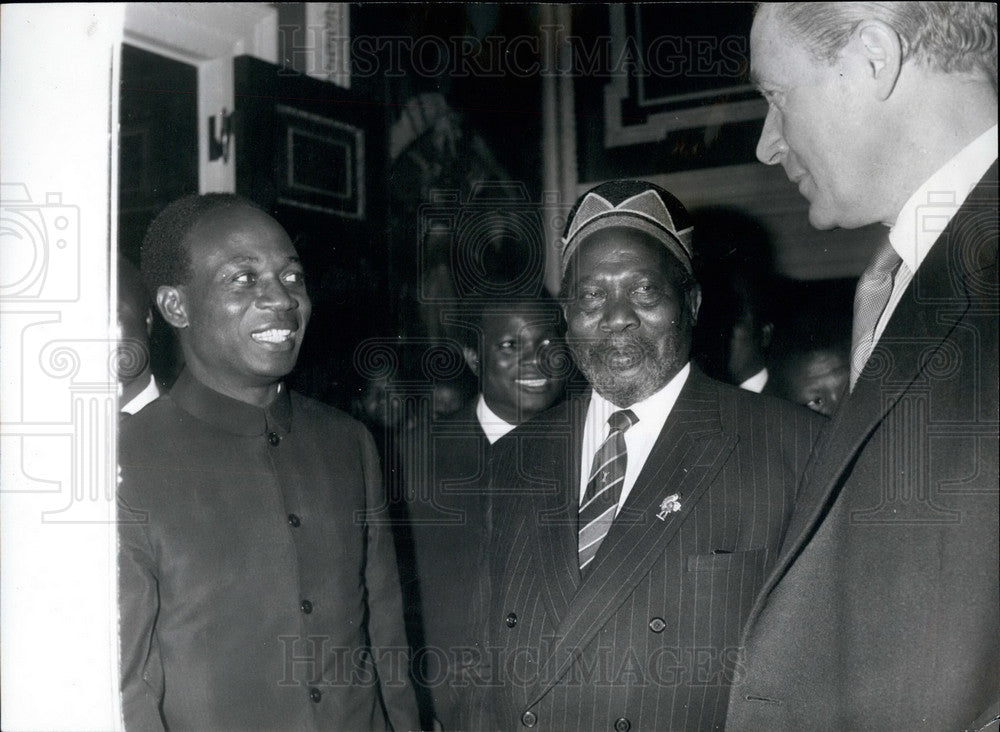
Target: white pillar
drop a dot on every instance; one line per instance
(58, 134)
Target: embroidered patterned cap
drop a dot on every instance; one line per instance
(633, 204)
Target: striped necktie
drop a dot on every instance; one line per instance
(870, 299)
(604, 487)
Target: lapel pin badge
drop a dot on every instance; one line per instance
(671, 504)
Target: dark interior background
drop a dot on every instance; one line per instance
(370, 275)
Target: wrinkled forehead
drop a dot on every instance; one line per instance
(769, 37)
(766, 22)
(619, 250)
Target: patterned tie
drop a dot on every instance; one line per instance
(870, 299)
(604, 486)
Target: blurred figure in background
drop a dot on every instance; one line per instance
(810, 359)
(814, 377)
(734, 266)
(450, 395)
(136, 385)
(379, 406)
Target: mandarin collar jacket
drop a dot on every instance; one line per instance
(258, 583)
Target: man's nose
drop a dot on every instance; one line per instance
(771, 145)
(531, 353)
(275, 296)
(619, 315)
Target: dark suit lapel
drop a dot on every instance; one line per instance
(557, 461)
(688, 454)
(915, 338)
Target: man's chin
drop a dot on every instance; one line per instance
(821, 224)
(824, 219)
(275, 369)
(623, 392)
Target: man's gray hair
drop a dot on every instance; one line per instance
(951, 37)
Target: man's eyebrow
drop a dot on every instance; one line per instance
(253, 259)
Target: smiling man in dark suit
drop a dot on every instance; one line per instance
(255, 590)
(883, 611)
(633, 525)
(510, 344)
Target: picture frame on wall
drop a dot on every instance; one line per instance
(321, 163)
(676, 94)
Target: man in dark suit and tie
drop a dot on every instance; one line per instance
(884, 609)
(633, 525)
(513, 347)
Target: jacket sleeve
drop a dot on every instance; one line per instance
(386, 628)
(138, 604)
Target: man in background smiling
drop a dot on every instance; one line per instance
(513, 346)
(255, 591)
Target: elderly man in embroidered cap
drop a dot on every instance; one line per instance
(633, 525)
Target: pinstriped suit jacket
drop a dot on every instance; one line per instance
(648, 640)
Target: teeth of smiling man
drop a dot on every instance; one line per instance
(532, 382)
(274, 335)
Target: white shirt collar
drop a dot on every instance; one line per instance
(932, 206)
(144, 397)
(756, 383)
(639, 438)
(492, 425)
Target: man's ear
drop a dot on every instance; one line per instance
(882, 51)
(170, 302)
(694, 301)
(766, 333)
(472, 359)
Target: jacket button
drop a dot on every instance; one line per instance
(273, 438)
(294, 521)
(307, 607)
(315, 694)
(622, 725)
(528, 719)
(656, 625)
(511, 621)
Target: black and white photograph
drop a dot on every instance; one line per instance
(499, 366)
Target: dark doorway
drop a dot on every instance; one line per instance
(157, 163)
(158, 151)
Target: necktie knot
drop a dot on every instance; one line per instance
(883, 264)
(621, 420)
(870, 300)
